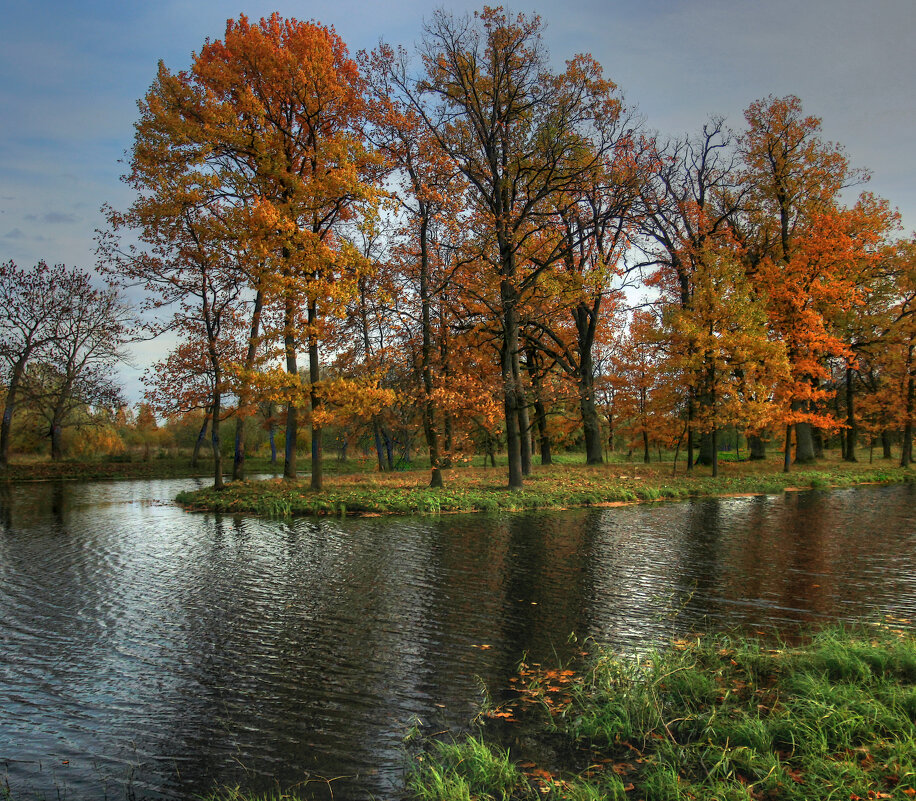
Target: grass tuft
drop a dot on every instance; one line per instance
(718, 717)
(465, 770)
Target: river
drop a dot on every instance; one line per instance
(147, 652)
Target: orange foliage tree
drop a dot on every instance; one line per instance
(804, 249)
(269, 118)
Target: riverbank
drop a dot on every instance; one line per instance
(476, 489)
(707, 718)
(126, 469)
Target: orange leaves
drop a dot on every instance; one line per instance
(348, 399)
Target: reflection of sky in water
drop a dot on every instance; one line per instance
(146, 645)
(762, 562)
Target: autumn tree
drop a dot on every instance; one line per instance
(521, 135)
(863, 324)
(719, 343)
(645, 397)
(595, 222)
(190, 264)
(686, 207)
(893, 352)
(429, 198)
(804, 249)
(270, 115)
(30, 304)
(195, 376)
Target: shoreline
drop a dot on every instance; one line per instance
(830, 717)
(552, 488)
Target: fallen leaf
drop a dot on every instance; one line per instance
(540, 773)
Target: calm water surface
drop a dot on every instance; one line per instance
(146, 652)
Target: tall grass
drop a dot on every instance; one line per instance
(725, 718)
(464, 771)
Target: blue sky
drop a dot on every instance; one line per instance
(72, 72)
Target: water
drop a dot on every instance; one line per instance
(146, 652)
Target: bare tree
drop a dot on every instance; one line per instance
(90, 329)
(34, 305)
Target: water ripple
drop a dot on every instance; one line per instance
(149, 652)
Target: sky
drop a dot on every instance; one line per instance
(71, 74)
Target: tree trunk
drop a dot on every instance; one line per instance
(489, 451)
(7, 421)
(757, 448)
(389, 448)
(849, 454)
(645, 445)
(201, 438)
(524, 434)
(445, 361)
(886, 445)
(215, 442)
(543, 435)
(804, 441)
(714, 437)
(292, 411)
(705, 456)
(432, 441)
(817, 438)
(590, 423)
(691, 412)
(271, 432)
(841, 434)
(787, 455)
(5, 427)
(238, 458)
(906, 456)
(57, 450)
(377, 436)
(315, 398)
(510, 393)
(429, 406)
(586, 317)
(524, 419)
(540, 413)
(238, 461)
(446, 457)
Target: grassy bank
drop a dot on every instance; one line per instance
(471, 489)
(713, 718)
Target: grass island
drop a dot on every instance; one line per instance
(568, 484)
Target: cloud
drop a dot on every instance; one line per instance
(56, 217)
(53, 218)
(14, 234)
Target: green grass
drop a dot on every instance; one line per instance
(554, 487)
(465, 771)
(715, 718)
(237, 794)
